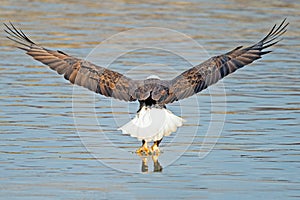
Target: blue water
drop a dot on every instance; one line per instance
(60, 142)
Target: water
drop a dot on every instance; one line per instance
(256, 155)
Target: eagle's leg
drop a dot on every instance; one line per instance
(143, 149)
(155, 147)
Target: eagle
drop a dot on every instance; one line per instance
(153, 120)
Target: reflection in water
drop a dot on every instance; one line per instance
(41, 156)
(156, 165)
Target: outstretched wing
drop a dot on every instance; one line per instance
(212, 70)
(77, 71)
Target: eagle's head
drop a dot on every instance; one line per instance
(153, 77)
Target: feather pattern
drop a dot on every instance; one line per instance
(212, 70)
(113, 84)
(78, 71)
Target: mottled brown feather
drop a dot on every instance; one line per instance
(113, 84)
(212, 70)
(77, 71)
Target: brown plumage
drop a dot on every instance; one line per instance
(152, 93)
(212, 70)
(113, 84)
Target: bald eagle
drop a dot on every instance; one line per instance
(153, 121)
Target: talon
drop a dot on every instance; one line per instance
(144, 149)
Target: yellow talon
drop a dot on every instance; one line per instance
(144, 149)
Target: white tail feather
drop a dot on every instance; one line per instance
(152, 124)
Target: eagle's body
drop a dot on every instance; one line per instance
(153, 121)
(152, 124)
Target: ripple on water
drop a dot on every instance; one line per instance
(257, 153)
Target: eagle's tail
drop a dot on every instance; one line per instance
(152, 124)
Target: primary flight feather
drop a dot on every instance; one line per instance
(153, 94)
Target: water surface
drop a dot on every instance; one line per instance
(256, 156)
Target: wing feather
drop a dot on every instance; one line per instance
(113, 84)
(80, 72)
(212, 70)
